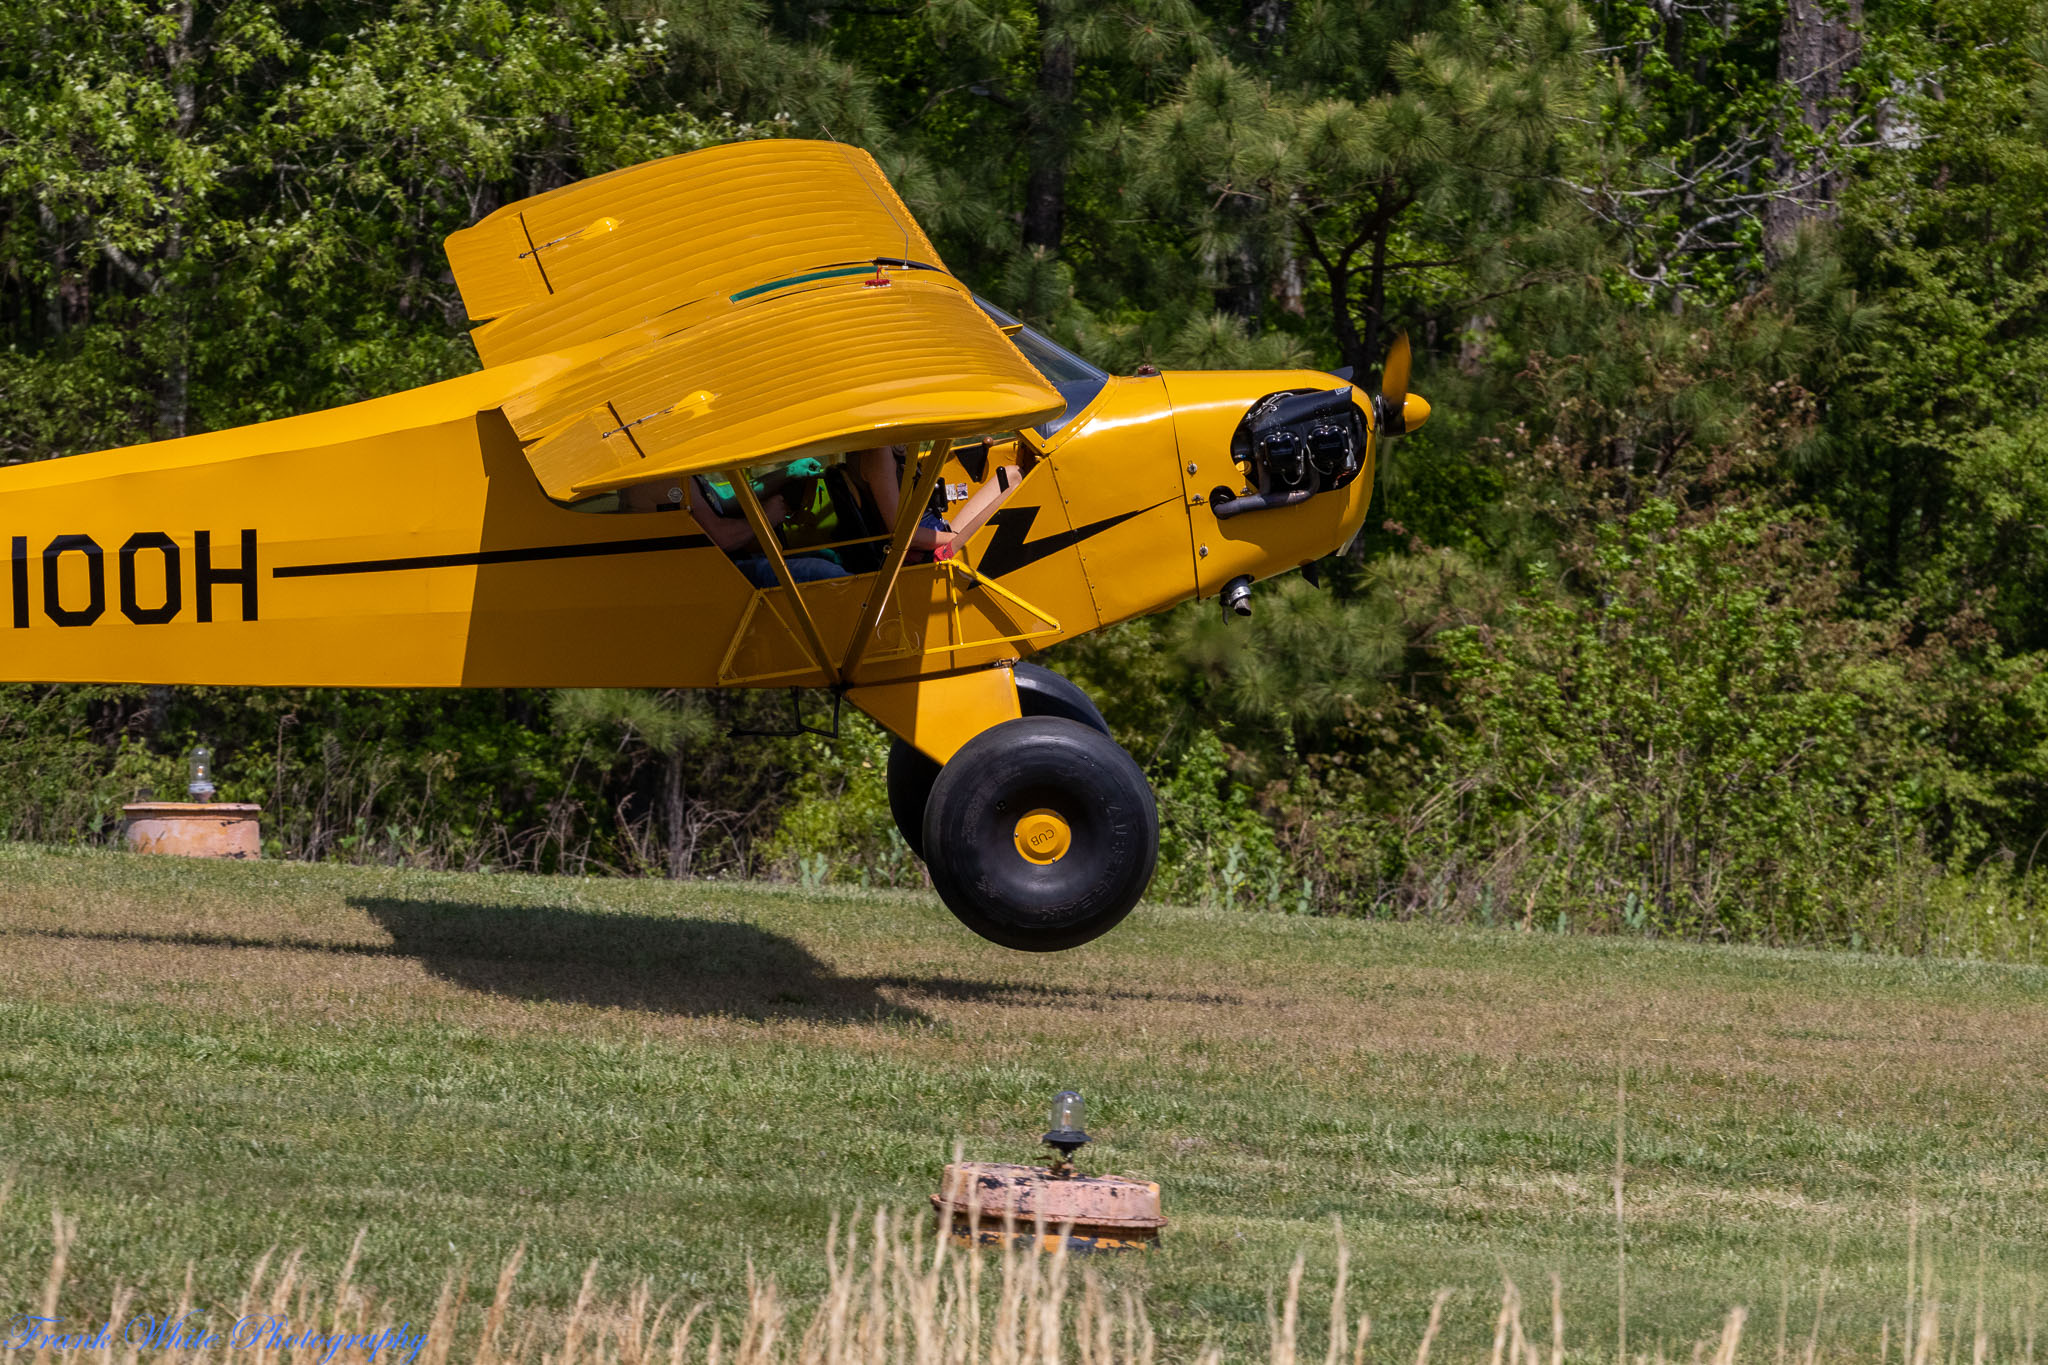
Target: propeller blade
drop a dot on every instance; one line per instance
(1394, 387)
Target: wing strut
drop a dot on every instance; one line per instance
(908, 513)
(764, 536)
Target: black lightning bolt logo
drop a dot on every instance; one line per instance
(1008, 550)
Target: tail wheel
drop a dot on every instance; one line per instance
(1041, 834)
(1040, 692)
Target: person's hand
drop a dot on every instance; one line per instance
(943, 550)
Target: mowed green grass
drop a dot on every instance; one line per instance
(200, 1061)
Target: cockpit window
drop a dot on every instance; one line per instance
(1077, 381)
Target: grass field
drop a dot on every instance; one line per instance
(202, 1060)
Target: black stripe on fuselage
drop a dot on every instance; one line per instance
(478, 558)
(1007, 552)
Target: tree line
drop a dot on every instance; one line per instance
(1709, 603)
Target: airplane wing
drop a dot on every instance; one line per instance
(608, 253)
(757, 301)
(821, 369)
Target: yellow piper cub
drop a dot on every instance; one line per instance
(737, 426)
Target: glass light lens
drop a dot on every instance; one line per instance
(202, 772)
(1068, 1111)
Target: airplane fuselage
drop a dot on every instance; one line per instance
(404, 542)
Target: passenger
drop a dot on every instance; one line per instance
(732, 534)
(881, 469)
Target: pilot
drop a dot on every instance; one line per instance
(877, 482)
(732, 534)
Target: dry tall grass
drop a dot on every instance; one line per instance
(898, 1294)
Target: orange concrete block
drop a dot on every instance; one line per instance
(987, 1202)
(194, 829)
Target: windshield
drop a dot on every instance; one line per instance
(1077, 381)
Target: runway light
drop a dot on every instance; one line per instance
(989, 1203)
(200, 788)
(1069, 1132)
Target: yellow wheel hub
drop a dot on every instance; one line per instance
(1042, 837)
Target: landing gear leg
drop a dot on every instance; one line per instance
(1040, 692)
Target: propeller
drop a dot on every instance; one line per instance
(1392, 403)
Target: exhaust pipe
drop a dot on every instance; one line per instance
(1226, 508)
(1237, 597)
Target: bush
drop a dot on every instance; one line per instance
(837, 827)
(1215, 846)
(1694, 742)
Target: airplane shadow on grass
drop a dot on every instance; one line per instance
(655, 963)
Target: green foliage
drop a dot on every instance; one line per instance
(1434, 157)
(1688, 111)
(1937, 465)
(837, 827)
(222, 213)
(1679, 734)
(431, 779)
(1214, 845)
(65, 772)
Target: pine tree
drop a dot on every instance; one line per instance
(1410, 176)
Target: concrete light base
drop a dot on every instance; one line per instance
(990, 1203)
(194, 829)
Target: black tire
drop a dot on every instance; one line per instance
(911, 775)
(1058, 777)
(1040, 692)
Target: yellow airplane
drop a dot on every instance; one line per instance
(674, 470)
